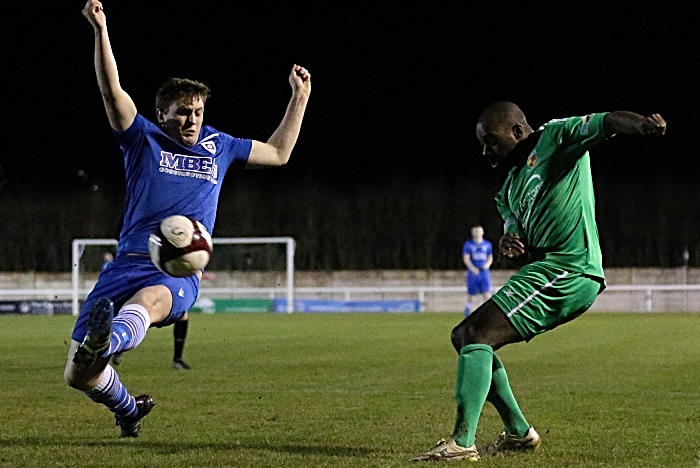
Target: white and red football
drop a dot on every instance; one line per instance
(180, 246)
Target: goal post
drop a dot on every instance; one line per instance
(290, 248)
(78, 249)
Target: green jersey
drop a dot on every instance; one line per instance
(548, 198)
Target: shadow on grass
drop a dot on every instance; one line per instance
(176, 447)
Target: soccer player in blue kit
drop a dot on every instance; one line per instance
(477, 255)
(174, 167)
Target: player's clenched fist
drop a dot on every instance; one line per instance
(653, 125)
(95, 14)
(511, 246)
(300, 79)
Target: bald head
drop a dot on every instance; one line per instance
(499, 129)
(503, 113)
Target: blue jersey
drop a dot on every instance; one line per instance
(478, 253)
(165, 178)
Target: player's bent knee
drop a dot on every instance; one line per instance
(75, 380)
(463, 335)
(486, 325)
(456, 339)
(83, 379)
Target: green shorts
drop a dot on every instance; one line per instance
(541, 297)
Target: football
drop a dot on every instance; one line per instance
(180, 246)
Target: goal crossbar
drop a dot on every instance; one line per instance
(78, 246)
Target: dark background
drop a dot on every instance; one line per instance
(387, 172)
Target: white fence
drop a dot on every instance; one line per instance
(616, 298)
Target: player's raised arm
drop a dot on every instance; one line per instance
(276, 151)
(629, 123)
(121, 110)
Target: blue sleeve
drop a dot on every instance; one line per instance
(133, 135)
(466, 250)
(239, 151)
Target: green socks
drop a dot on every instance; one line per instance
(501, 396)
(473, 383)
(480, 377)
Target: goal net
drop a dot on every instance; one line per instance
(240, 269)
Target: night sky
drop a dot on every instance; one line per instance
(393, 85)
(397, 87)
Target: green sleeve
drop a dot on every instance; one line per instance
(567, 140)
(579, 134)
(510, 222)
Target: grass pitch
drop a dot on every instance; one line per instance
(359, 390)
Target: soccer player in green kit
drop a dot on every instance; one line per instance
(548, 209)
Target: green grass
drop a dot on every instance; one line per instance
(608, 390)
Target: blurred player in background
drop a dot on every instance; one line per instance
(172, 168)
(107, 258)
(548, 207)
(477, 255)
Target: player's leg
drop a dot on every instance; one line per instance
(486, 285)
(88, 370)
(501, 397)
(105, 336)
(538, 298)
(101, 384)
(151, 304)
(179, 336)
(468, 307)
(148, 297)
(500, 393)
(472, 290)
(475, 340)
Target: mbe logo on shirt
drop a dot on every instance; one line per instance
(199, 167)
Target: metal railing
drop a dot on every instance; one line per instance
(348, 292)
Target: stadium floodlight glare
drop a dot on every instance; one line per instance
(78, 248)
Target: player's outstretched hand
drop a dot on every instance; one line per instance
(653, 124)
(300, 79)
(510, 245)
(95, 14)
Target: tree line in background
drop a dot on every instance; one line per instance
(403, 222)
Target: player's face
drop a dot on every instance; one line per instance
(477, 232)
(496, 139)
(183, 121)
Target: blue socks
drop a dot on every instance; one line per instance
(467, 309)
(111, 393)
(128, 328)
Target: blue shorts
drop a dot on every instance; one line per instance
(127, 275)
(478, 284)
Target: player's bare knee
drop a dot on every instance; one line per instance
(456, 338)
(463, 335)
(75, 380)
